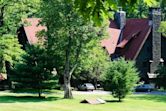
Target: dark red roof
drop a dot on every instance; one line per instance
(134, 35)
(31, 28)
(110, 43)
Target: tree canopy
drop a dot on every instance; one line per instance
(100, 10)
(10, 50)
(67, 36)
(11, 13)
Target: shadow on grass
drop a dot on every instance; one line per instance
(13, 99)
(112, 101)
(156, 98)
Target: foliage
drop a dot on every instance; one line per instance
(98, 10)
(161, 76)
(120, 77)
(94, 61)
(101, 10)
(163, 9)
(67, 35)
(10, 50)
(32, 72)
(162, 28)
(11, 13)
(140, 9)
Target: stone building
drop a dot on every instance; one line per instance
(134, 39)
(139, 40)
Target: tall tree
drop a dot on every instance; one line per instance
(67, 34)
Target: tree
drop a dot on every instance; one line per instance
(67, 34)
(140, 9)
(10, 51)
(32, 73)
(101, 10)
(11, 13)
(98, 10)
(163, 9)
(161, 77)
(121, 77)
(94, 61)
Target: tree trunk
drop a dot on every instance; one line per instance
(67, 75)
(8, 70)
(119, 96)
(119, 99)
(1, 16)
(67, 87)
(39, 93)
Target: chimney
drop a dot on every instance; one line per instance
(120, 18)
(155, 20)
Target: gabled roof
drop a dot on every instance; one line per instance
(134, 36)
(110, 43)
(31, 28)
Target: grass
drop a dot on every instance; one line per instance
(55, 102)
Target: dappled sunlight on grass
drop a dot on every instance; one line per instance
(54, 102)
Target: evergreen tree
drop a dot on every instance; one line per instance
(32, 73)
(121, 77)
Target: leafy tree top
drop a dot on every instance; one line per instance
(99, 10)
(12, 11)
(10, 50)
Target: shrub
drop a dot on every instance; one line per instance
(120, 77)
(161, 77)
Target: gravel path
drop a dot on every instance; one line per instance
(97, 92)
(101, 92)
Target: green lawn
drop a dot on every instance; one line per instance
(55, 102)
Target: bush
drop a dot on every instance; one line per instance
(161, 77)
(121, 77)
